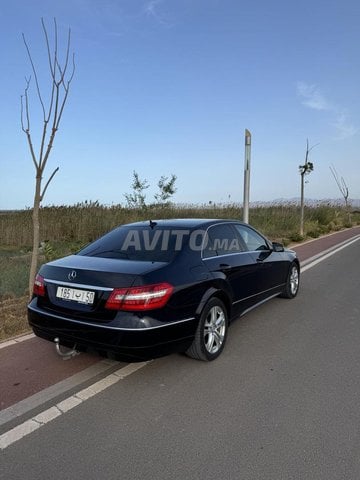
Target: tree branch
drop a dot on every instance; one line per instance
(27, 103)
(316, 144)
(35, 75)
(26, 129)
(47, 183)
(33, 156)
(340, 183)
(63, 71)
(52, 68)
(55, 98)
(52, 72)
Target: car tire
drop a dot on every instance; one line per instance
(292, 282)
(210, 336)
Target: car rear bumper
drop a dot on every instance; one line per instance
(136, 344)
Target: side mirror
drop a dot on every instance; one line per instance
(277, 247)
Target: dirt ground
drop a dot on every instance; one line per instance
(13, 318)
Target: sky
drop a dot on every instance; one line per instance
(167, 87)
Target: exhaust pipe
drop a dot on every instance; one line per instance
(66, 355)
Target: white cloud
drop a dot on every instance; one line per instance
(344, 128)
(312, 97)
(150, 9)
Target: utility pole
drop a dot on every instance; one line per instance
(247, 176)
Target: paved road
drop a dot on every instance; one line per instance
(317, 246)
(32, 365)
(280, 403)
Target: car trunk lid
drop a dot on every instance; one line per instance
(82, 284)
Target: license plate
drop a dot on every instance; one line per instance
(80, 296)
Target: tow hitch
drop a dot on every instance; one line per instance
(69, 353)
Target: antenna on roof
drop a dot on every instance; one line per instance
(152, 224)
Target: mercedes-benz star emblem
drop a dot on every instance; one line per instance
(72, 275)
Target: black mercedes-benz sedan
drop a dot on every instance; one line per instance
(150, 288)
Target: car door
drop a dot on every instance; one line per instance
(233, 268)
(269, 263)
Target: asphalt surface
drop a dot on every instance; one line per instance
(318, 246)
(30, 366)
(281, 402)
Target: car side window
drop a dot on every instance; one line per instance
(253, 241)
(221, 240)
(208, 250)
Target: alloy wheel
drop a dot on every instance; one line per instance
(294, 280)
(214, 329)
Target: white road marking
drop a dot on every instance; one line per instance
(69, 403)
(16, 340)
(18, 433)
(24, 407)
(324, 257)
(97, 387)
(25, 428)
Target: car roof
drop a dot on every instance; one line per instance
(190, 223)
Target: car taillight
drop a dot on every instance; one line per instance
(39, 286)
(148, 297)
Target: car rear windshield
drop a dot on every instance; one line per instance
(154, 244)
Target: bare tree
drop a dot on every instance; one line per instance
(344, 190)
(61, 75)
(305, 169)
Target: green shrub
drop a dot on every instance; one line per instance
(313, 233)
(296, 237)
